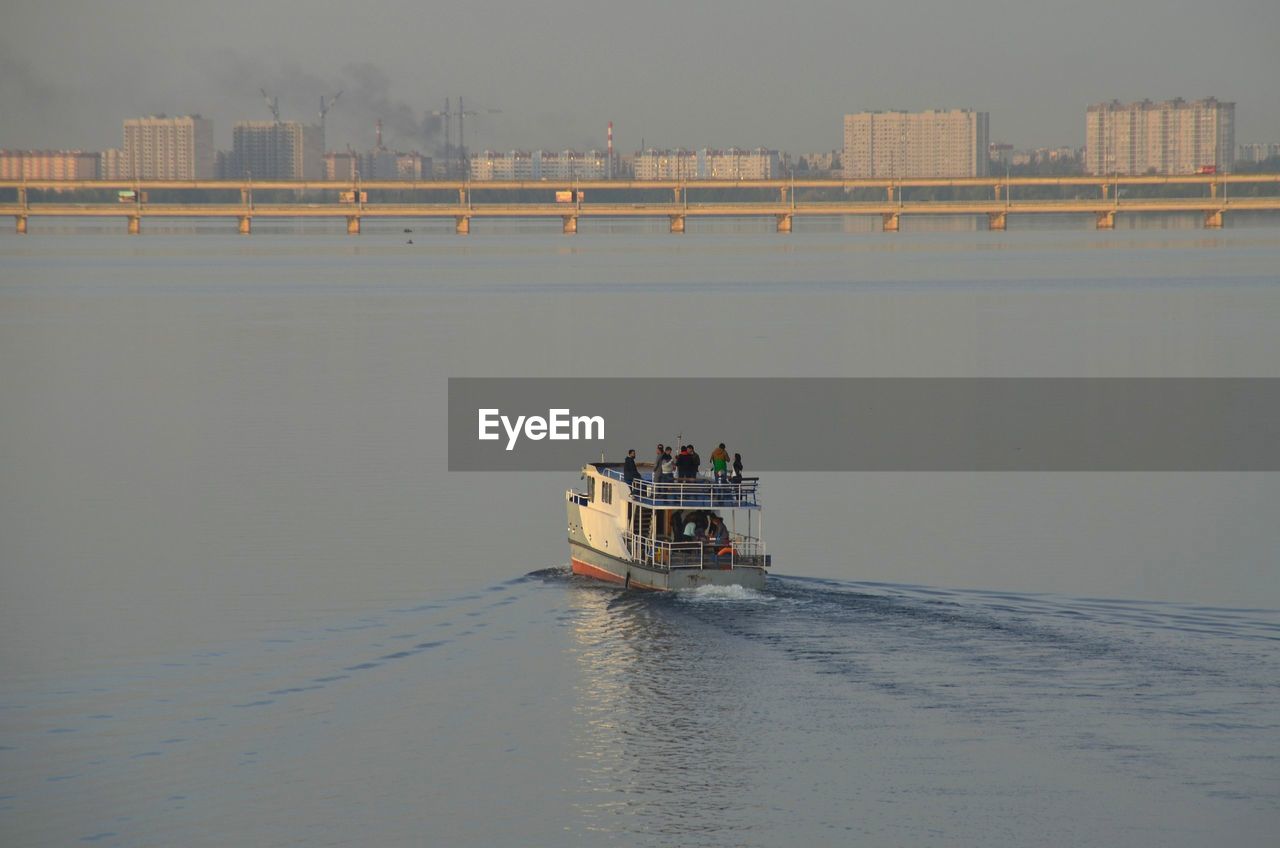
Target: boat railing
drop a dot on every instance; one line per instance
(740, 551)
(579, 498)
(701, 492)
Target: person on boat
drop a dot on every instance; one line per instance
(697, 462)
(686, 469)
(720, 464)
(718, 533)
(668, 467)
(690, 533)
(717, 538)
(657, 463)
(629, 471)
(737, 468)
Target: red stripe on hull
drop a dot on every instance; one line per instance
(587, 570)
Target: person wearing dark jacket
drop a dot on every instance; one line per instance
(686, 469)
(629, 471)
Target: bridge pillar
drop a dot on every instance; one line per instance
(1106, 220)
(22, 196)
(1213, 190)
(353, 225)
(676, 192)
(784, 223)
(996, 220)
(245, 225)
(462, 225)
(1213, 219)
(135, 225)
(21, 224)
(570, 224)
(890, 222)
(889, 191)
(677, 223)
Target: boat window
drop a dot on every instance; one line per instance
(606, 491)
(591, 489)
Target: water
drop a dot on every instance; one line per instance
(548, 710)
(243, 602)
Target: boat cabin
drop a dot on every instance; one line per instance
(666, 526)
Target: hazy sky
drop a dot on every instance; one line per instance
(691, 74)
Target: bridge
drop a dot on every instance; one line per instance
(1209, 195)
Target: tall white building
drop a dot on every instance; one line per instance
(1173, 137)
(161, 148)
(916, 144)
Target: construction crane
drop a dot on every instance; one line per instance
(461, 113)
(446, 115)
(325, 106)
(273, 103)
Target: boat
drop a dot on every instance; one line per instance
(631, 534)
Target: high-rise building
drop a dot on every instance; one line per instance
(161, 148)
(916, 144)
(277, 150)
(49, 165)
(1173, 137)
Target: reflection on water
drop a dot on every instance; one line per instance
(663, 720)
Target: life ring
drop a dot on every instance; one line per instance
(724, 551)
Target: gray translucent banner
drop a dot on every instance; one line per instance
(891, 424)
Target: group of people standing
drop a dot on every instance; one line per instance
(683, 465)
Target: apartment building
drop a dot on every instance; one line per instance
(276, 150)
(540, 165)
(49, 165)
(1257, 152)
(916, 144)
(1173, 137)
(163, 148)
(707, 164)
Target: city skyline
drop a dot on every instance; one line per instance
(667, 75)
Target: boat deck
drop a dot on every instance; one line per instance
(702, 492)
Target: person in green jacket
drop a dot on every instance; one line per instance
(720, 464)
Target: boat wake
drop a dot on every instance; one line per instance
(723, 595)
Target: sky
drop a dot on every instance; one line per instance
(551, 74)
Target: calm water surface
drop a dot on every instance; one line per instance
(242, 601)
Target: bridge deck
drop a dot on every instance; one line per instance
(635, 210)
